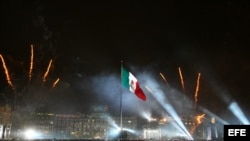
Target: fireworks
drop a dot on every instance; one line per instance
(31, 62)
(197, 89)
(163, 77)
(8, 78)
(54, 84)
(7, 73)
(199, 118)
(182, 82)
(47, 72)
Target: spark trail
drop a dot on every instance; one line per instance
(163, 77)
(181, 77)
(7, 73)
(54, 84)
(197, 89)
(31, 62)
(199, 118)
(47, 71)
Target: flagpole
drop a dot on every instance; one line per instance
(121, 100)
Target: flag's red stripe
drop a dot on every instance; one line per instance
(139, 93)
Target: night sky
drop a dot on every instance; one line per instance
(88, 40)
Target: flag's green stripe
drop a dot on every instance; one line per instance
(125, 78)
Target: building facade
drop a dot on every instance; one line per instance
(5, 122)
(76, 126)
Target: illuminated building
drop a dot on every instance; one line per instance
(75, 126)
(198, 127)
(5, 122)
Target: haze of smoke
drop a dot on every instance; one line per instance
(107, 88)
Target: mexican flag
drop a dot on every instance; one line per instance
(130, 82)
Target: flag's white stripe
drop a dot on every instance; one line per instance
(132, 82)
